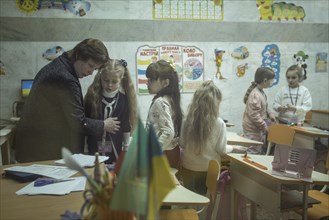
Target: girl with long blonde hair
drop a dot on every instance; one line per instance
(112, 94)
(203, 136)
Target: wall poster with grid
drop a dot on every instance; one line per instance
(188, 9)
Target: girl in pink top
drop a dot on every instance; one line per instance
(257, 117)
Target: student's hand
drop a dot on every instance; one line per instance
(112, 125)
(283, 109)
(273, 119)
(291, 108)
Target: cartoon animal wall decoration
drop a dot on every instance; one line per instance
(52, 53)
(241, 69)
(300, 59)
(240, 53)
(271, 58)
(27, 6)
(279, 11)
(219, 53)
(321, 61)
(79, 7)
(265, 9)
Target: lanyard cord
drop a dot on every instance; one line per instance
(296, 96)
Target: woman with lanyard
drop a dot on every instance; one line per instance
(293, 100)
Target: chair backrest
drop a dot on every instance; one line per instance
(210, 211)
(281, 134)
(212, 177)
(308, 117)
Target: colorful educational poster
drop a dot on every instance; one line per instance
(187, 61)
(321, 62)
(188, 9)
(193, 68)
(271, 58)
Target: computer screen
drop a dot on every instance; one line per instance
(26, 86)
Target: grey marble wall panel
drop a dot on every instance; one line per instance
(59, 29)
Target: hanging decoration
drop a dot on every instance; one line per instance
(271, 58)
(219, 53)
(240, 53)
(76, 7)
(300, 59)
(53, 53)
(241, 69)
(321, 62)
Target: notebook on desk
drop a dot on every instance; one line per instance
(293, 162)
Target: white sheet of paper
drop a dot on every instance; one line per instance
(84, 160)
(56, 172)
(62, 188)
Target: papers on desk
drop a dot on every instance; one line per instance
(235, 149)
(56, 172)
(62, 188)
(84, 160)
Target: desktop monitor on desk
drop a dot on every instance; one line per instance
(26, 86)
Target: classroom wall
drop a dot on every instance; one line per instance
(127, 25)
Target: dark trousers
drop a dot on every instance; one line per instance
(195, 180)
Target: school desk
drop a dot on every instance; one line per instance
(235, 139)
(320, 118)
(5, 135)
(305, 136)
(263, 188)
(14, 207)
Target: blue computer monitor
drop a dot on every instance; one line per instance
(26, 86)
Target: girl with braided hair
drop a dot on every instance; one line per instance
(112, 95)
(257, 116)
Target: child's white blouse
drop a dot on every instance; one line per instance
(161, 117)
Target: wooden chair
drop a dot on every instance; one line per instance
(203, 213)
(291, 200)
(181, 214)
(279, 134)
(212, 194)
(308, 117)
